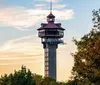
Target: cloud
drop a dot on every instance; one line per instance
(27, 46)
(22, 18)
(18, 18)
(18, 58)
(48, 0)
(56, 6)
(21, 61)
(52, 0)
(59, 6)
(22, 47)
(28, 50)
(40, 6)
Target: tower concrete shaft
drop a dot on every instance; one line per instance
(50, 60)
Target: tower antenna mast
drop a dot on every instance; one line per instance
(51, 6)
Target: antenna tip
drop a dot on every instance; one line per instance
(51, 6)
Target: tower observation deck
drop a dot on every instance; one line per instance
(51, 35)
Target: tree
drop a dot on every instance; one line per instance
(21, 77)
(38, 79)
(87, 58)
(4, 80)
(48, 81)
(72, 82)
(53, 83)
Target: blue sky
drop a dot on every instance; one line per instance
(81, 22)
(19, 21)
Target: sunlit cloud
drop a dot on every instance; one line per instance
(59, 6)
(25, 46)
(52, 0)
(56, 6)
(49, 0)
(22, 18)
(28, 50)
(19, 60)
(39, 6)
(21, 50)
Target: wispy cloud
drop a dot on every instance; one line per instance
(28, 50)
(52, 0)
(23, 50)
(22, 18)
(18, 18)
(49, 0)
(20, 62)
(40, 6)
(56, 6)
(59, 6)
(20, 58)
(25, 46)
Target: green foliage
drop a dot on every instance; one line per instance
(48, 81)
(87, 57)
(72, 82)
(4, 80)
(53, 83)
(21, 77)
(38, 79)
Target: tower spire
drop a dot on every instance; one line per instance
(51, 6)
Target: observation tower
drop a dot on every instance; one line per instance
(51, 35)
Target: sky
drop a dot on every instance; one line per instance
(19, 43)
